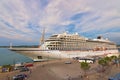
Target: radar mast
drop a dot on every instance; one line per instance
(42, 37)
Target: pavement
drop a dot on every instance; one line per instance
(59, 70)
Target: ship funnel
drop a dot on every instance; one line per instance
(99, 37)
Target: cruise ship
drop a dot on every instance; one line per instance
(66, 45)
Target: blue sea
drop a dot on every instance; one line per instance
(10, 57)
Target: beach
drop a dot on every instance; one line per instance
(59, 70)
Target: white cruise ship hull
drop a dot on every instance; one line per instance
(34, 53)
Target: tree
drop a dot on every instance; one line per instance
(85, 66)
(108, 59)
(102, 62)
(113, 57)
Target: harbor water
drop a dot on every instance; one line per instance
(10, 57)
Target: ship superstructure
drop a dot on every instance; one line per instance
(73, 42)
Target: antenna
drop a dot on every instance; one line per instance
(42, 37)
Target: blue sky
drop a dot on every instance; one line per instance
(22, 21)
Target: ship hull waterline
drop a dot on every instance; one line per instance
(35, 53)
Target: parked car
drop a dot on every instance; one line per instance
(76, 58)
(87, 60)
(68, 62)
(115, 77)
(18, 67)
(111, 78)
(29, 65)
(24, 69)
(20, 77)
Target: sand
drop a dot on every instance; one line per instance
(58, 70)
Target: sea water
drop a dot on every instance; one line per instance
(10, 57)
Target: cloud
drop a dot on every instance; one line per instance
(21, 19)
(113, 36)
(15, 16)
